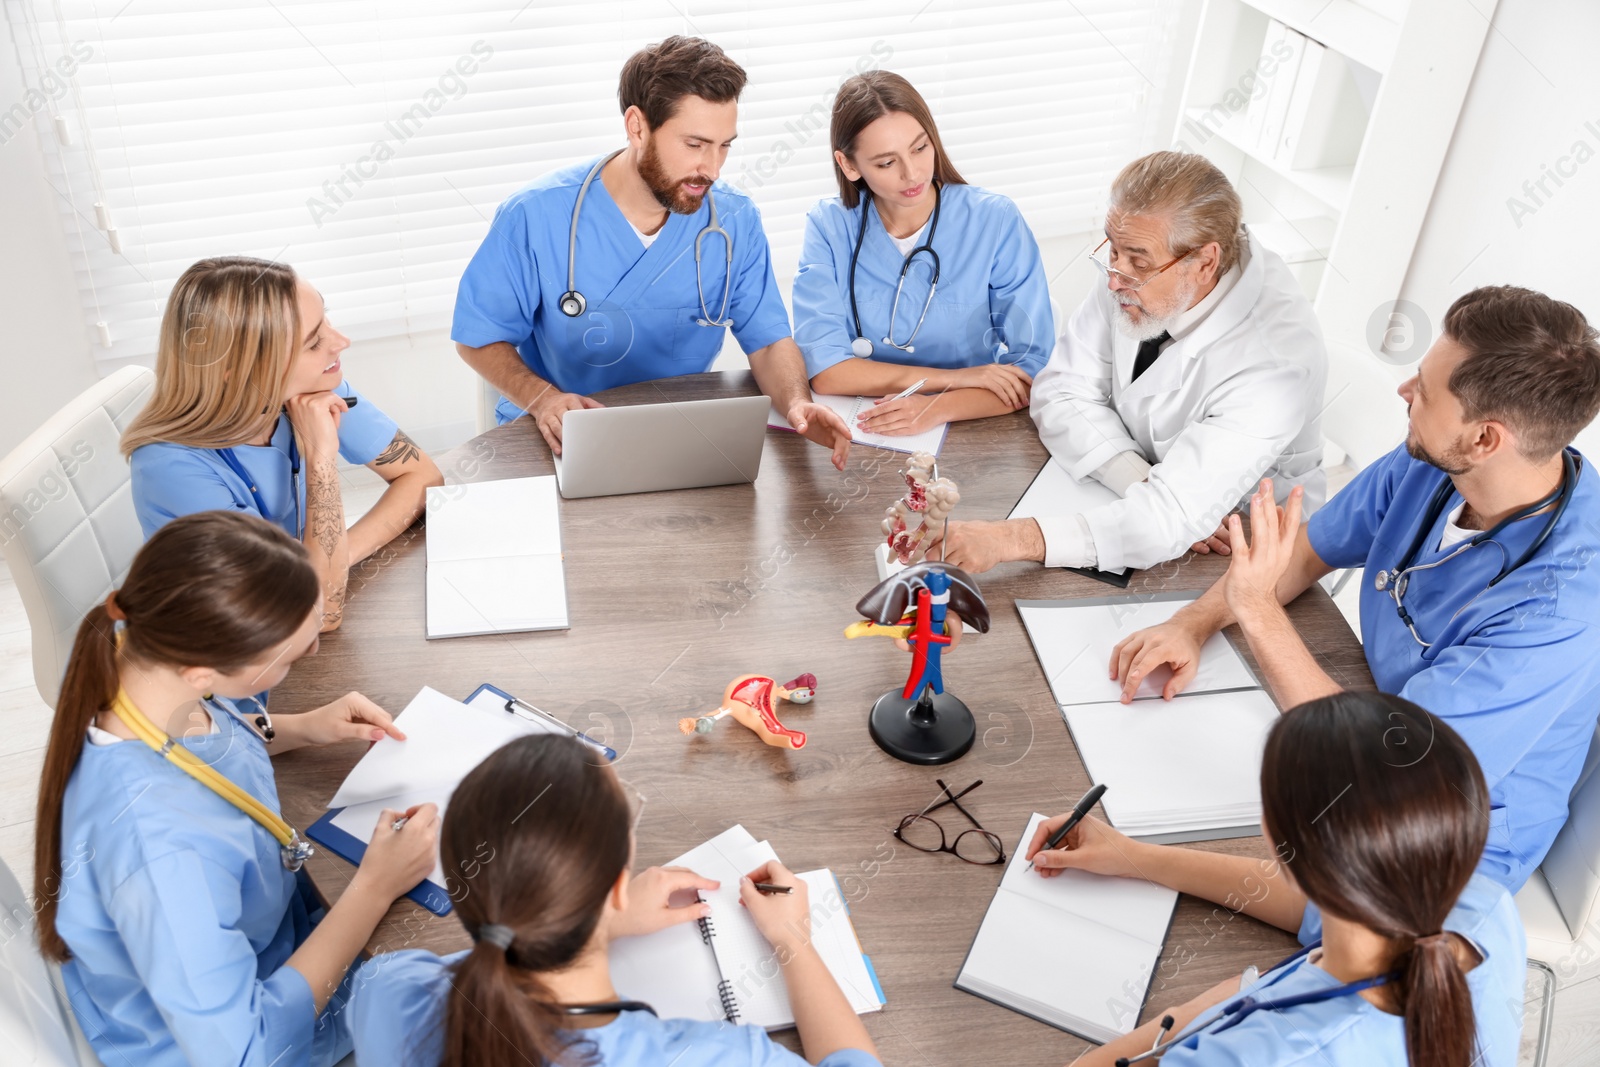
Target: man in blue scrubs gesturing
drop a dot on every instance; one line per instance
(629, 267)
(1479, 597)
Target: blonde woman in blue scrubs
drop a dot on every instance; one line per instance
(913, 279)
(251, 412)
(165, 880)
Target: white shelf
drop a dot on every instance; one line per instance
(1297, 240)
(1346, 27)
(1329, 185)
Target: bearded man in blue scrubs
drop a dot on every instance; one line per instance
(664, 260)
(1480, 597)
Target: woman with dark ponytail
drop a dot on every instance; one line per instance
(1378, 814)
(165, 879)
(542, 898)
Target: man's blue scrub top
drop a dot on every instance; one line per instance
(1515, 669)
(641, 322)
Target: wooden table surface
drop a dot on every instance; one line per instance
(672, 595)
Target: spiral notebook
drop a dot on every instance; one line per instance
(722, 968)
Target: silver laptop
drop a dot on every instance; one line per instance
(645, 448)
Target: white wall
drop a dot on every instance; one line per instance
(1533, 109)
(45, 354)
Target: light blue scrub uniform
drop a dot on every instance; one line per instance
(170, 480)
(992, 303)
(396, 1017)
(180, 914)
(1347, 1030)
(1515, 669)
(640, 323)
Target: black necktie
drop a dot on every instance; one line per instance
(1148, 351)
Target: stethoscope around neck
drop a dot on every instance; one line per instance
(1239, 1010)
(573, 303)
(861, 346)
(1395, 580)
(238, 468)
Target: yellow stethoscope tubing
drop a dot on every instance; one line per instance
(192, 765)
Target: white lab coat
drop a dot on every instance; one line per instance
(1239, 397)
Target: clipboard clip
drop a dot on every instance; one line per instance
(520, 707)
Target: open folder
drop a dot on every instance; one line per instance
(494, 558)
(1187, 769)
(445, 739)
(1075, 950)
(722, 968)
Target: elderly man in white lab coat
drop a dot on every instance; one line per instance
(1197, 370)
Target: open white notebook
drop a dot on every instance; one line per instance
(494, 558)
(1076, 951)
(849, 407)
(722, 968)
(1187, 769)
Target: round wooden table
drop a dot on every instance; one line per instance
(672, 595)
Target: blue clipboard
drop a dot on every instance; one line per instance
(430, 896)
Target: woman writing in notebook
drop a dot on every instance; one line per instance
(251, 412)
(1378, 814)
(165, 879)
(542, 898)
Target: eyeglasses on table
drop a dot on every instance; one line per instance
(923, 832)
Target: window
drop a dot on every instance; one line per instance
(367, 144)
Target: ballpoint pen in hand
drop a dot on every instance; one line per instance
(1079, 810)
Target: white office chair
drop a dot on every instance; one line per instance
(67, 525)
(35, 1021)
(1560, 905)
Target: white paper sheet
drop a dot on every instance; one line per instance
(1073, 641)
(444, 740)
(849, 407)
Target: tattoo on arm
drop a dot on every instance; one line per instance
(325, 507)
(401, 450)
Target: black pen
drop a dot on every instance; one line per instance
(768, 887)
(1079, 810)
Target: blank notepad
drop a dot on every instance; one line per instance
(494, 558)
(1076, 951)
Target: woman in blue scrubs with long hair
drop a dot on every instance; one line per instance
(536, 988)
(913, 278)
(1377, 812)
(251, 412)
(165, 879)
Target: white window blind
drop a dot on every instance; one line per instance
(367, 144)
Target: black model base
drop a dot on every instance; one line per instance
(930, 731)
